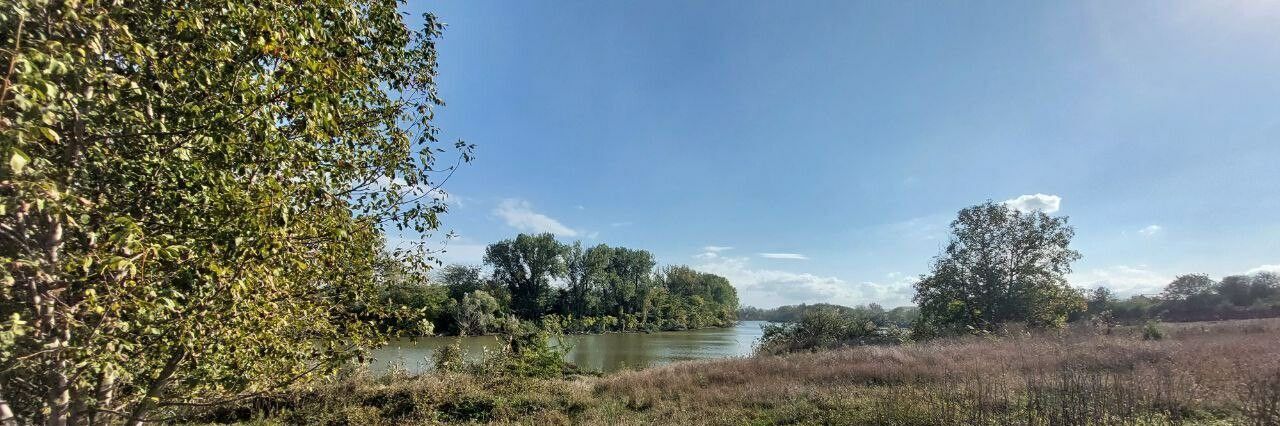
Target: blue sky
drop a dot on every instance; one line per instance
(816, 151)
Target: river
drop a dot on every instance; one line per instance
(602, 352)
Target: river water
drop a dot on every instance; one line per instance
(602, 352)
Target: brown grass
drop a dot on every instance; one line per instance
(1202, 373)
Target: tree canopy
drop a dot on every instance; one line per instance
(1000, 265)
(194, 194)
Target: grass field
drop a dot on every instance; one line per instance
(1198, 373)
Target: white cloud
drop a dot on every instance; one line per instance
(620, 224)
(1041, 202)
(1124, 280)
(792, 256)
(1150, 230)
(716, 249)
(1265, 268)
(769, 288)
(519, 214)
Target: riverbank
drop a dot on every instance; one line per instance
(1197, 373)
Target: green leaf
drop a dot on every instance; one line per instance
(18, 160)
(49, 134)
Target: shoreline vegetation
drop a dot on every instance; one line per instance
(1196, 373)
(537, 282)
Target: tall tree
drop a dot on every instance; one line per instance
(1000, 265)
(527, 264)
(193, 193)
(1189, 286)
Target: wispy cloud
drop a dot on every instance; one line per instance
(519, 214)
(792, 256)
(1035, 202)
(716, 249)
(1150, 230)
(620, 224)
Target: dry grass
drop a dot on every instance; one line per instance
(1202, 373)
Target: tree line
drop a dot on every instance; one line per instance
(1003, 266)
(560, 287)
(902, 316)
(1192, 297)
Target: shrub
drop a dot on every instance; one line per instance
(1152, 331)
(450, 357)
(827, 329)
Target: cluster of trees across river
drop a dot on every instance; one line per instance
(539, 281)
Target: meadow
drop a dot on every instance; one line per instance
(1186, 373)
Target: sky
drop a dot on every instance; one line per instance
(816, 151)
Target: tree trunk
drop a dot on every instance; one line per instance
(153, 392)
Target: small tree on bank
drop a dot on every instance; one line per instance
(1001, 265)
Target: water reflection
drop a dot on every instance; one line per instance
(603, 352)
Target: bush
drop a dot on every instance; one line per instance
(1152, 331)
(450, 357)
(528, 353)
(827, 329)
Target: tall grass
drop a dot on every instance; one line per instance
(1201, 373)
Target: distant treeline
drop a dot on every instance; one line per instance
(537, 281)
(902, 316)
(1192, 297)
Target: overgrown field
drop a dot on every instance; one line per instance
(1197, 373)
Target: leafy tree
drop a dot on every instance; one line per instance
(1237, 289)
(1100, 300)
(1188, 286)
(461, 280)
(527, 264)
(1000, 265)
(1265, 286)
(194, 194)
(476, 313)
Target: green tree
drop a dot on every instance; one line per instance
(461, 280)
(1000, 265)
(1189, 286)
(1237, 289)
(194, 194)
(476, 313)
(1265, 285)
(526, 265)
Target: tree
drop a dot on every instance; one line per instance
(1100, 300)
(1237, 289)
(526, 265)
(1265, 285)
(475, 313)
(1186, 287)
(193, 194)
(1000, 265)
(461, 280)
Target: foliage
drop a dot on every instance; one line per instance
(193, 192)
(605, 289)
(476, 314)
(902, 316)
(823, 329)
(449, 358)
(528, 352)
(1152, 331)
(526, 265)
(1197, 297)
(1001, 265)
